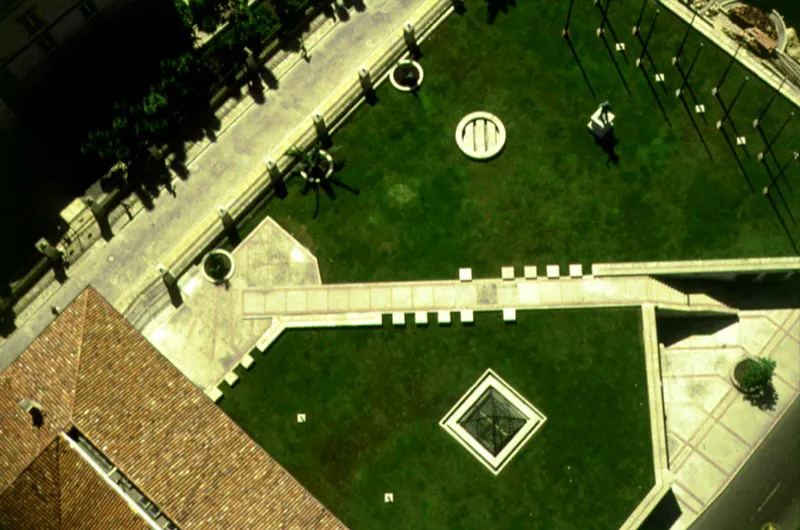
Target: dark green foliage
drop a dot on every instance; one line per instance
(755, 374)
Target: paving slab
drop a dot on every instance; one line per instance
(380, 298)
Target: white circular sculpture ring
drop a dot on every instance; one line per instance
(416, 66)
(480, 135)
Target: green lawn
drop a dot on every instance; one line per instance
(551, 197)
(374, 398)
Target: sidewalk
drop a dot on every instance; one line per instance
(711, 430)
(113, 267)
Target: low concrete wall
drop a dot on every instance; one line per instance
(720, 269)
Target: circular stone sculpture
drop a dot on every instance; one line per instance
(218, 266)
(480, 135)
(407, 75)
(328, 171)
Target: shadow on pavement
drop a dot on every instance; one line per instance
(664, 514)
(673, 329)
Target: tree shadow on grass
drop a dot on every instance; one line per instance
(495, 7)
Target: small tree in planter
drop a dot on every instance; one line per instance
(218, 266)
(753, 377)
(317, 168)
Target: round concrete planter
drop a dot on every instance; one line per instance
(734, 380)
(328, 171)
(400, 68)
(208, 261)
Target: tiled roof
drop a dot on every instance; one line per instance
(60, 490)
(173, 443)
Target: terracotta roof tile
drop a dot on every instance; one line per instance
(87, 502)
(178, 447)
(91, 368)
(59, 490)
(45, 372)
(33, 499)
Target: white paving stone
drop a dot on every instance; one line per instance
(465, 274)
(575, 270)
(231, 378)
(467, 316)
(398, 319)
(443, 317)
(509, 314)
(421, 318)
(553, 271)
(507, 273)
(247, 361)
(530, 272)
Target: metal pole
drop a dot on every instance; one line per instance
(649, 34)
(685, 38)
(688, 72)
(757, 121)
(604, 12)
(565, 31)
(780, 130)
(795, 156)
(636, 29)
(727, 69)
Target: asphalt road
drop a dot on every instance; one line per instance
(767, 489)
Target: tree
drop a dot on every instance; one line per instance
(754, 378)
(757, 374)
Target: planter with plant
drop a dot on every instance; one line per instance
(218, 266)
(407, 75)
(752, 376)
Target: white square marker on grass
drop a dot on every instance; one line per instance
(421, 318)
(388, 498)
(398, 319)
(509, 314)
(301, 418)
(507, 273)
(465, 275)
(553, 271)
(443, 317)
(530, 272)
(575, 270)
(467, 316)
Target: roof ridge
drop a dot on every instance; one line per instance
(59, 441)
(80, 350)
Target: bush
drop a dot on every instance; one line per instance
(754, 375)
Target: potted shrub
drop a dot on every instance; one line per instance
(753, 377)
(407, 75)
(218, 266)
(753, 374)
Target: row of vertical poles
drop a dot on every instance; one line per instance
(645, 63)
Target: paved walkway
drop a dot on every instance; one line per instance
(115, 266)
(478, 295)
(711, 429)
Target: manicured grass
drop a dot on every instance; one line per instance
(374, 397)
(551, 197)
